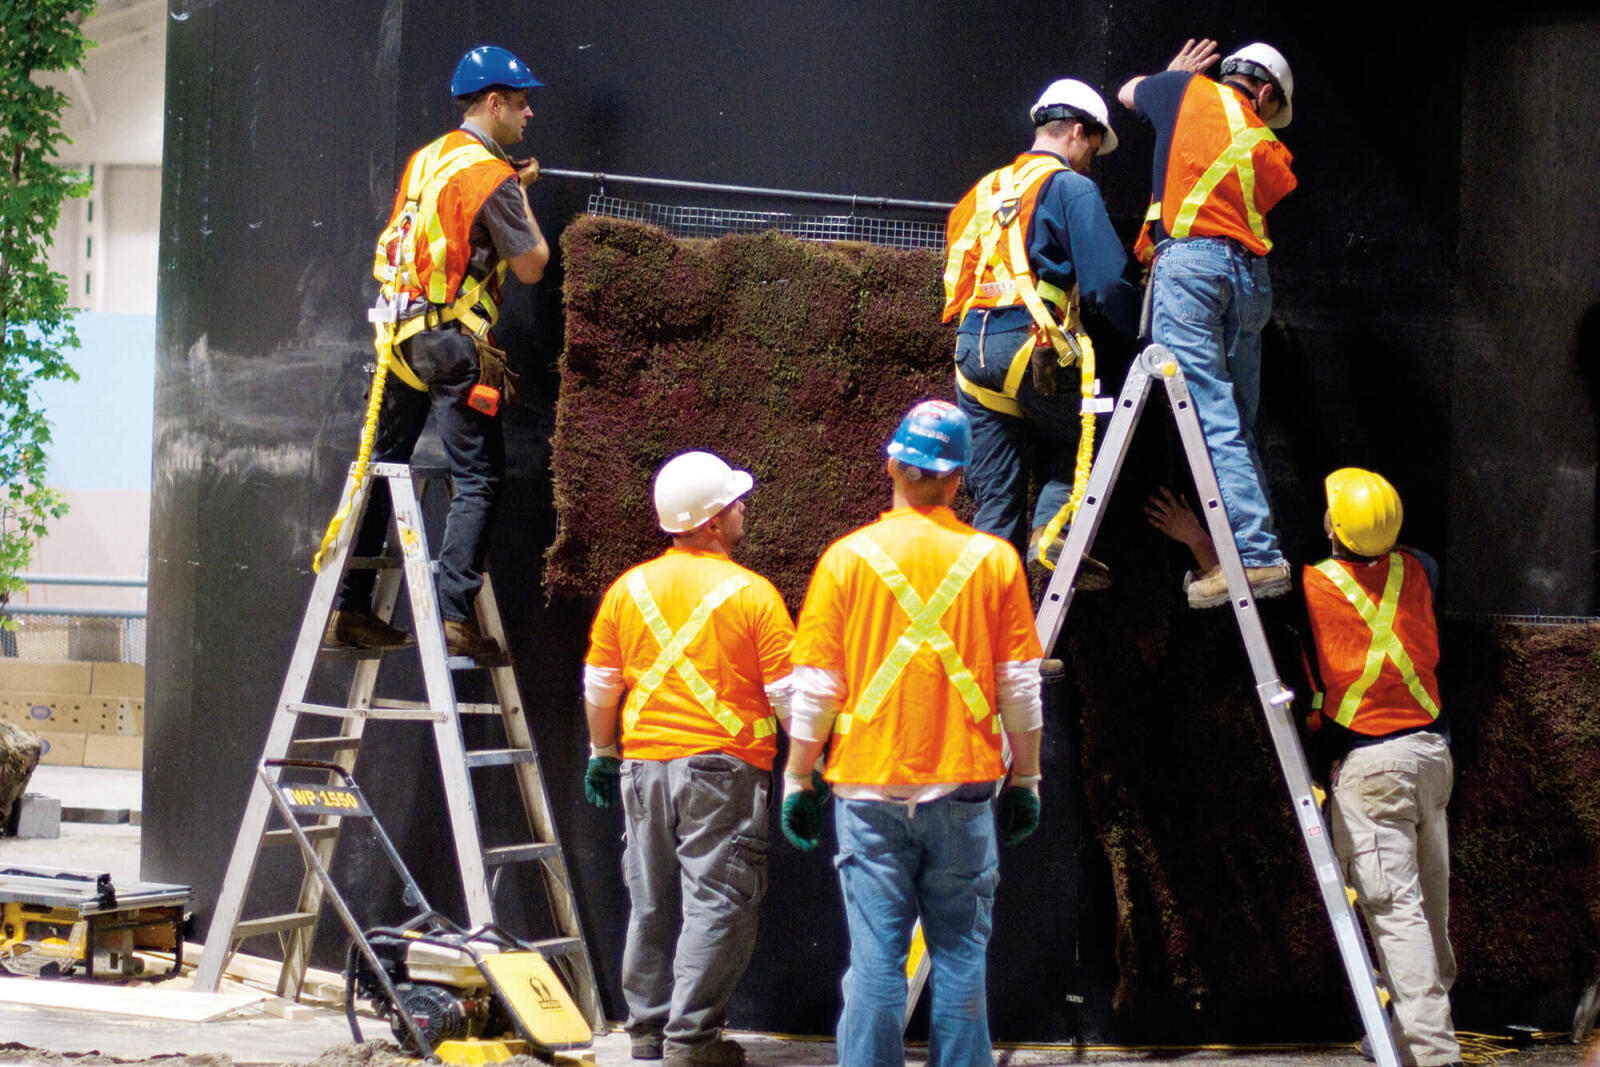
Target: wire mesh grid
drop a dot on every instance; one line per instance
(59, 636)
(681, 221)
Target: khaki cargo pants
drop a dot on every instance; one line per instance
(1386, 813)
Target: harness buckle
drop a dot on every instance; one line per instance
(1008, 211)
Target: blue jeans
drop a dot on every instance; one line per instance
(474, 445)
(1005, 448)
(1211, 301)
(940, 864)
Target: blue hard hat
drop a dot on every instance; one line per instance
(934, 436)
(488, 65)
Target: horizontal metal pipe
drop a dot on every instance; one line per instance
(853, 200)
(88, 613)
(82, 579)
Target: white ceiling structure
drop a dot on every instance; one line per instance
(115, 115)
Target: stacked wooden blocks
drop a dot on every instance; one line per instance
(87, 714)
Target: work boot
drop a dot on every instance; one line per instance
(1210, 590)
(360, 629)
(1092, 574)
(461, 638)
(718, 1052)
(646, 1043)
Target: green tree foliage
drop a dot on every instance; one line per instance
(35, 322)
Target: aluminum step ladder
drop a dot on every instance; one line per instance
(1156, 364)
(480, 867)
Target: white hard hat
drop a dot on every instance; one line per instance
(693, 487)
(1266, 63)
(1070, 98)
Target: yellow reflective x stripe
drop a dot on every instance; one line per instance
(449, 165)
(1385, 645)
(1236, 157)
(673, 657)
(924, 628)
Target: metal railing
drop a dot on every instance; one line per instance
(95, 634)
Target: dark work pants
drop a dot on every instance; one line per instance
(474, 447)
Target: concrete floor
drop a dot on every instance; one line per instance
(252, 1037)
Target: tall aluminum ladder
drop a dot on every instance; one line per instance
(1156, 364)
(480, 867)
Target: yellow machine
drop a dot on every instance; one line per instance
(57, 924)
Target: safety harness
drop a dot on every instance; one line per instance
(674, 657)
(997, 230)
(395, 265)
(923, 629)
(1236, 158)
(1385, 645)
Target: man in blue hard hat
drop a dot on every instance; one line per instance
(460, 221)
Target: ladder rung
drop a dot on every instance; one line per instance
(507, 854)
(273, 924)
(313, 746)
(387, 704)
(467, 663)
(332, 652)
(273, 838)
(372, 563)
(402, 470)
(499, 757)
(558, 946)
(422, 714)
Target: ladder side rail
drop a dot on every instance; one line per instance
(540, 819)
(1086, 523)
(297, 951)
(247, 845)
(425, 616)
(1276, 700)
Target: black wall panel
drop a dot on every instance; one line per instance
(1432, 278)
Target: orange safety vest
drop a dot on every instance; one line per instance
(913, 612)
(1377, 643)
(986, 266)
(698, 637)
(1225, 171)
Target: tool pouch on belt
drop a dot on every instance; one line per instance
(492, 369)
(1046, 363)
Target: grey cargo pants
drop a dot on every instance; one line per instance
(695, 864)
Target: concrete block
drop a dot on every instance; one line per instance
(44, 676)
(38, 816)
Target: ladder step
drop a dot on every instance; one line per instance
(462, 708)
(303, 747)
(273, 924)
(286, 837)
(422, 714)
(335, 652)
(499, 757)
(372, 563)
(508, 854)
(467, 663)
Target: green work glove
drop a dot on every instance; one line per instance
(1018, 813)
(602, 782)
(802, 813)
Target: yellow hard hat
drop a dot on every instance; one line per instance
(1365, 510)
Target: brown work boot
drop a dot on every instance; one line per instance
(360, 629)
(645, 1043)
(1210, 590)
(461, 638)
(1092, 574)
(718, 1052)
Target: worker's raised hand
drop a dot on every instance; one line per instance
(1195, 56)
(602, 782)
(527, 170)
(1017, 815)
(802, 812)
(1172, 516)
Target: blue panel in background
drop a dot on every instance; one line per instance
(103, 423)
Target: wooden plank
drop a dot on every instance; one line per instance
(178, 1005)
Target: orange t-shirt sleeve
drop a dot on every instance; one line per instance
(817, 638)
(774, 634)
(605, 647)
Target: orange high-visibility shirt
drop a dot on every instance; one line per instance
(708, 696)
(916, 724)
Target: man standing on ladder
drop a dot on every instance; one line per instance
(460, 219)
(1025, 245)
(700, 646)
(1218, 170)
(915, 653)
